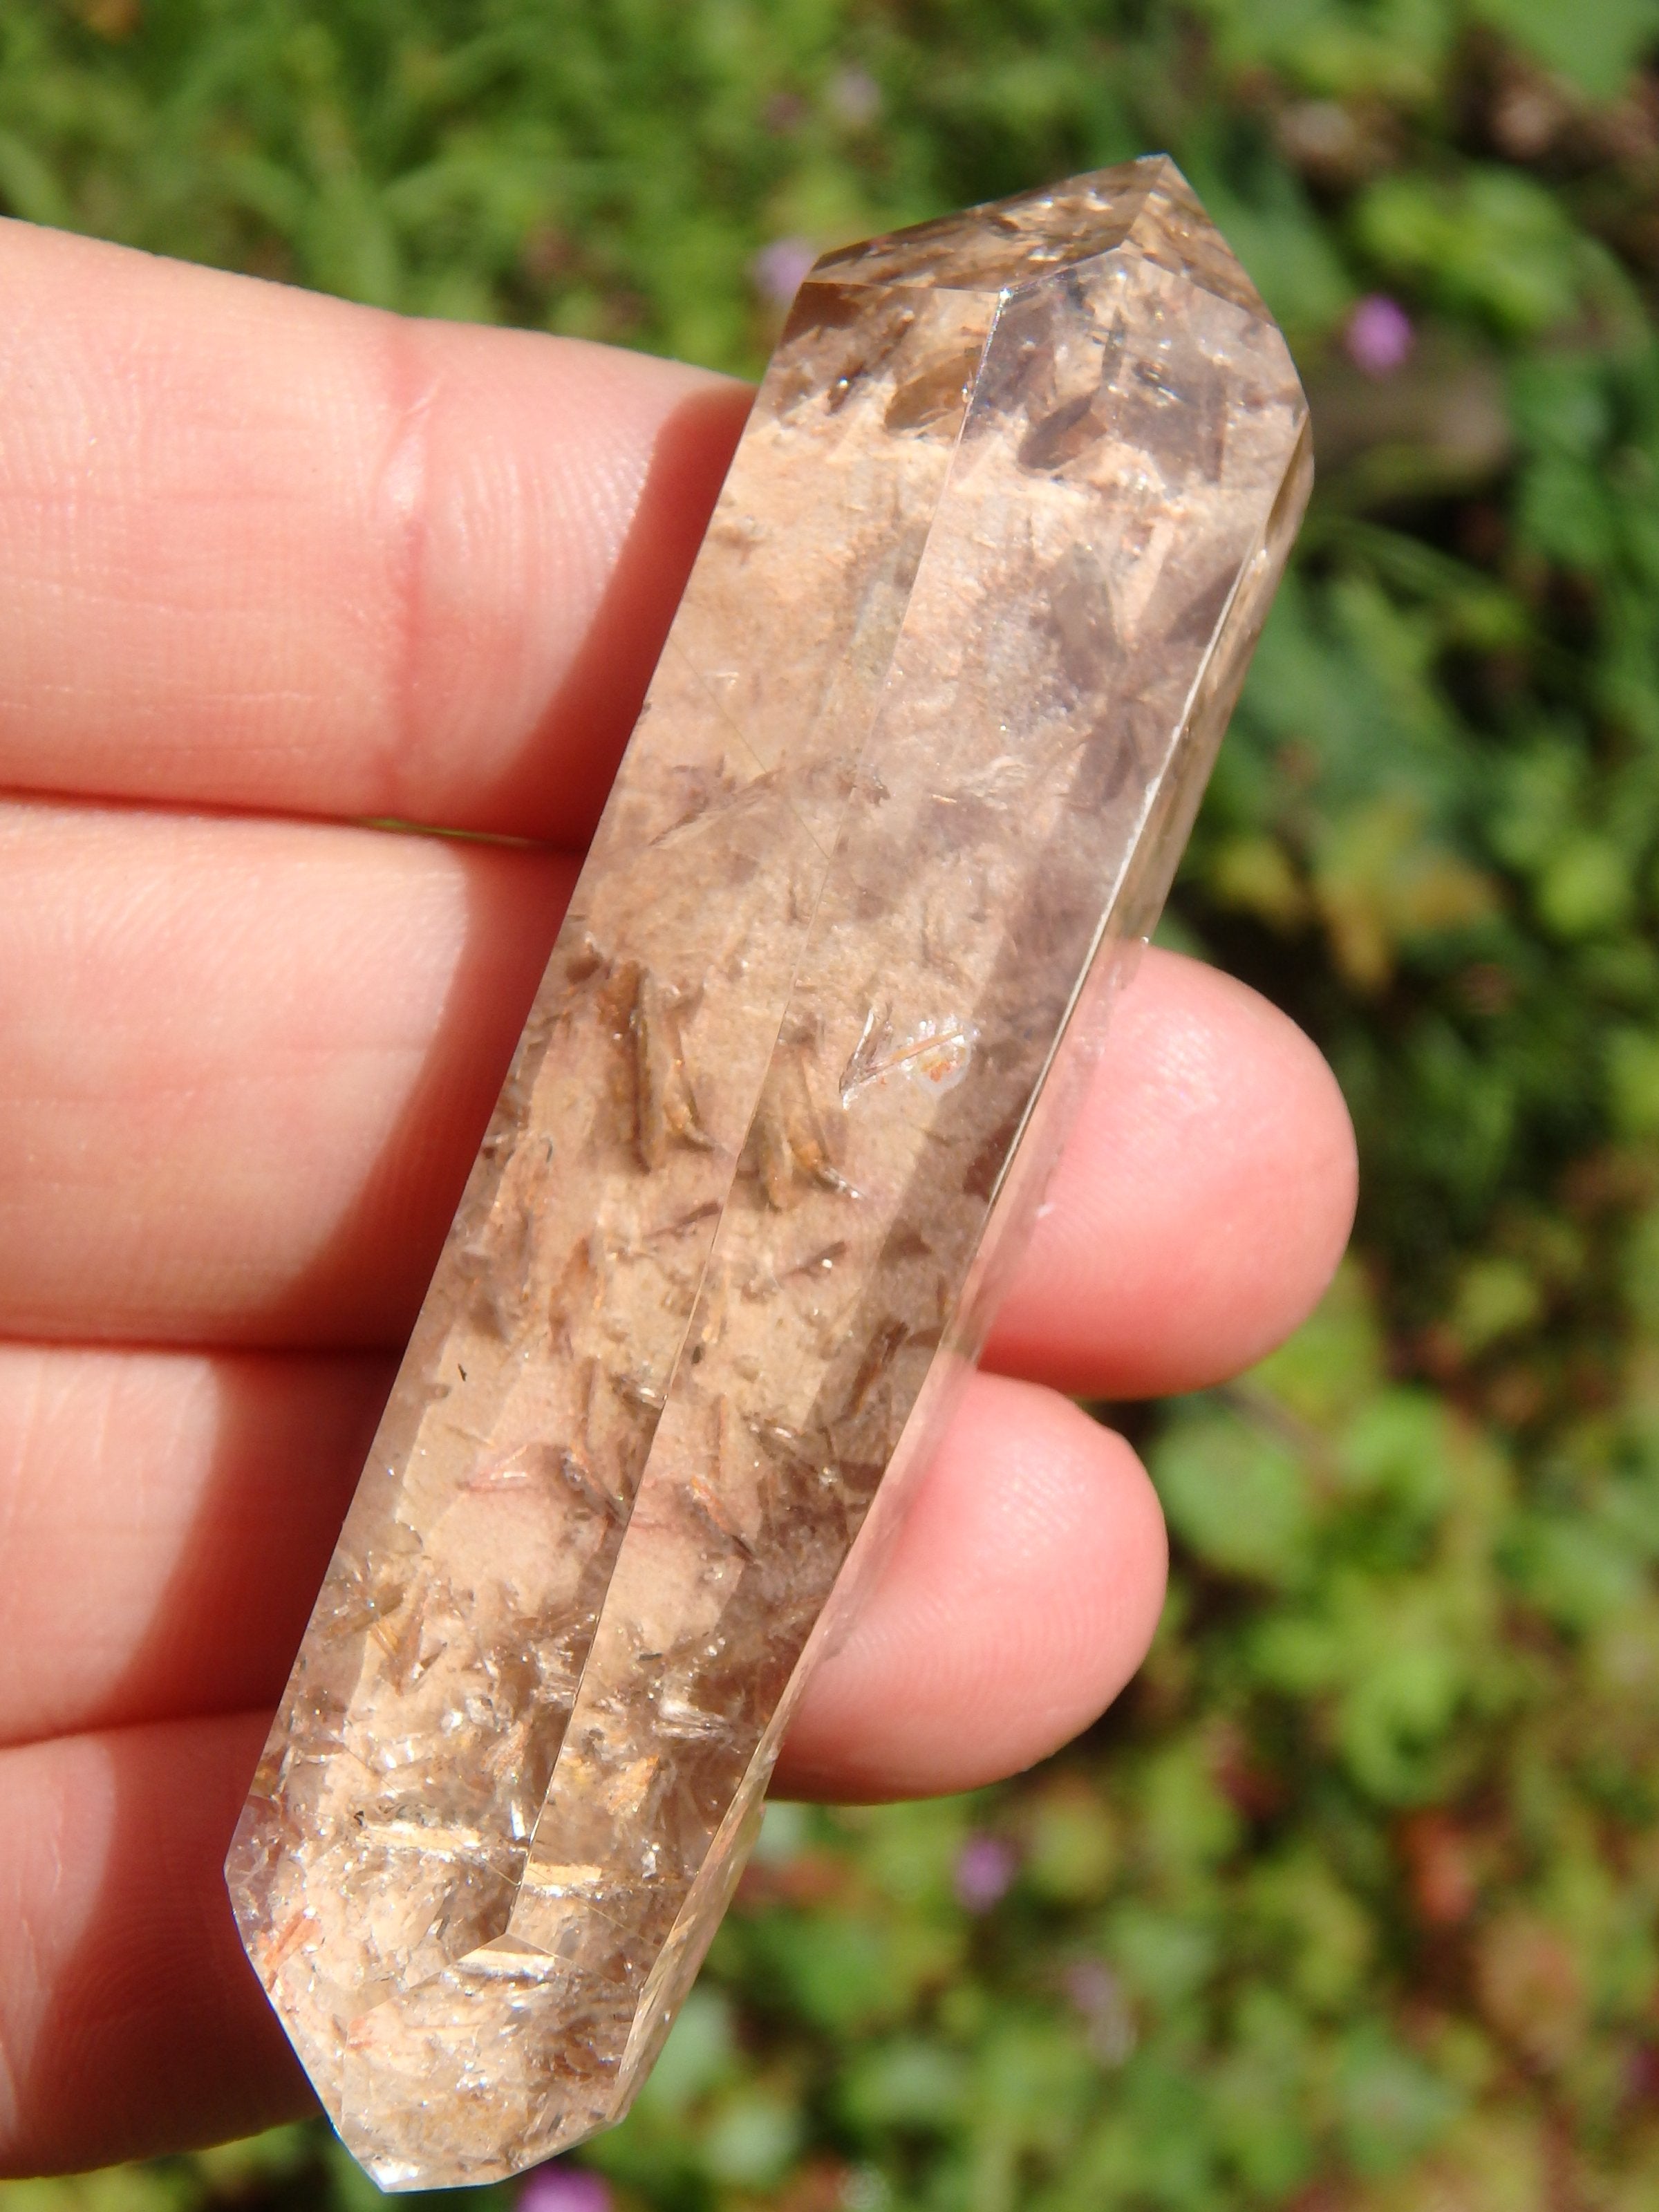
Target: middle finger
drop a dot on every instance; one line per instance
(246, 1064)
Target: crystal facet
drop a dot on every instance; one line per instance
(914, 774)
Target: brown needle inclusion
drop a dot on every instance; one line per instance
(914, 774)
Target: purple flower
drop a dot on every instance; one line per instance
(780, 267)
(985, 1867)
(1379, 336)
(560, 2188)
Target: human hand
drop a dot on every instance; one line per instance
(270, 567)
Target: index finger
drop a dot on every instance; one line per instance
(262, 548)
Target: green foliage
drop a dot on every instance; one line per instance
(1352, 1903)
(1595, 48)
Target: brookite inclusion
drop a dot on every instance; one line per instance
(914, 774)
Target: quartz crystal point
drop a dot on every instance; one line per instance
(914, 774)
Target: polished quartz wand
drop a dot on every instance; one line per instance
(914, 774)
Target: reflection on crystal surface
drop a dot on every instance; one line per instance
(918, 760)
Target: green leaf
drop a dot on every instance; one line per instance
(1490, 240)
(1072, 1850)
(1396, 1451)
(1165, 1957)
(1189, 1825)
(1391, 2107)
(27, 186)
(906, 2084)
(1313, 1933)
(1260, 2096)
(1586, 886)
(698, 2054)
(1633, 1064)
(1390, 49)
(1235, 1493)
(1596, 46)
(1575, 1569)
(1495, 1297)
(752, 2141)
(1334, 1363)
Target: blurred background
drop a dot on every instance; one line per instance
(1350, 1904)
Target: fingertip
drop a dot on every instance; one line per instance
(1201, 1206)
(1021, 1595)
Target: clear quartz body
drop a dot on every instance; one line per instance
(914, 774)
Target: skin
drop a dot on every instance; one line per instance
(271, 565)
